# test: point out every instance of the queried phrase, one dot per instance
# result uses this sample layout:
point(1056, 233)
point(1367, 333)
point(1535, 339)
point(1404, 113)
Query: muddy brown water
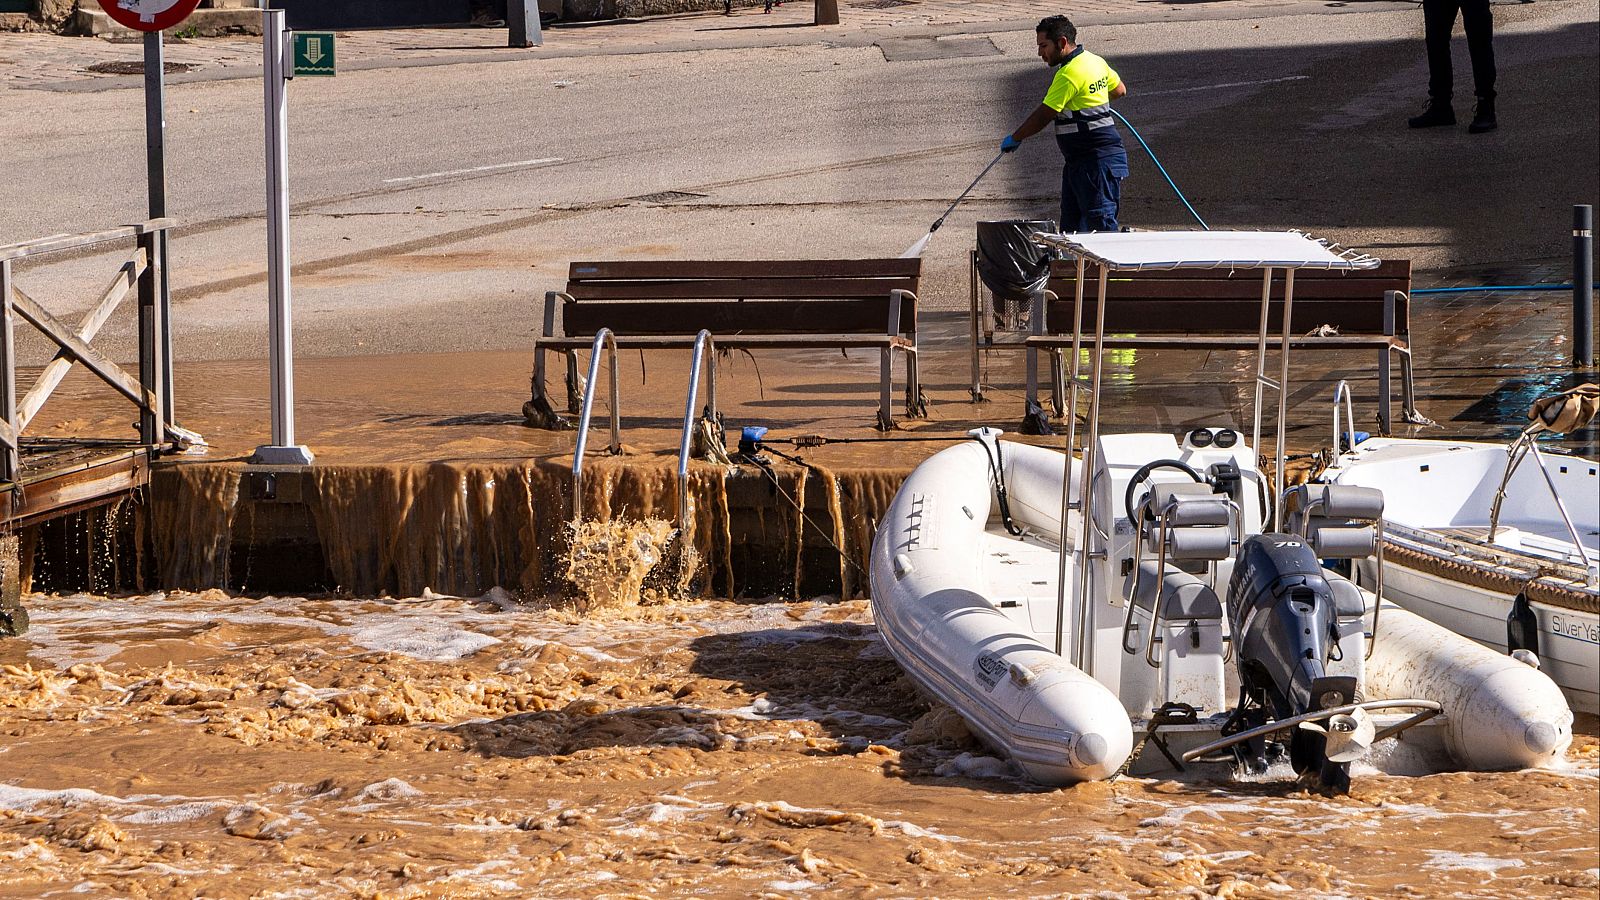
point(201, 744)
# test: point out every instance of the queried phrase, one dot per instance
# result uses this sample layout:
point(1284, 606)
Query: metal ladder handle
point(703, 342)
point(603, 339)
point(1343, 390)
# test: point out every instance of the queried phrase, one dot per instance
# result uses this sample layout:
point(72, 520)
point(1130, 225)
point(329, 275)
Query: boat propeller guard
point(1426, 709)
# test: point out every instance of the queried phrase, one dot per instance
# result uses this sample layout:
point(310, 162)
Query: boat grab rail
point(1428, 709)
point(1526, 443)
point(1343, 391)
point(603, 339)
point(704, 345)
point(1236, 537)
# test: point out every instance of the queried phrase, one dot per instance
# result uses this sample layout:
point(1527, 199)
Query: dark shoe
point(1483, 118)
point(1436, 113)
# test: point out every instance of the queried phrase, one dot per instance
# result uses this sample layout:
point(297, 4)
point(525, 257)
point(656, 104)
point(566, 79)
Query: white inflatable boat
point(1527, 578)
point(1164, 603)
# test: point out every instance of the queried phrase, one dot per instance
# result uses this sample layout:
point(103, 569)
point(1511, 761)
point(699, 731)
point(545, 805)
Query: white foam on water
point(968, 765)
point(917, 831)
point(421, 640)
point(389, 789)
point(1476, 862)
point(1178, 815)
point(25, 799)
point(801, 884)
point(172, 815)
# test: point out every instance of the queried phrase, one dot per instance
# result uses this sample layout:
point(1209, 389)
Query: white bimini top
point(1208, 250)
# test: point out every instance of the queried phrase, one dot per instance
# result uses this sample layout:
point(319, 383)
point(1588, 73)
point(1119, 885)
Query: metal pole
point(280, 323)
point(155, 155)
point(10, 459)
point(1583, 285)
point(523, 18)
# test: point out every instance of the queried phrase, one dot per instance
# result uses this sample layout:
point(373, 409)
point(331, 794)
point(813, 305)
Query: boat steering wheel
point(1143, 475)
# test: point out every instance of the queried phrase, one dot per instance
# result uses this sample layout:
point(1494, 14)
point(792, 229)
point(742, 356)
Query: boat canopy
point(1208, 250)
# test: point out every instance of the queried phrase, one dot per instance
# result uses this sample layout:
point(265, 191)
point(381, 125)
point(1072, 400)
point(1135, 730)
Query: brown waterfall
point(465, 527)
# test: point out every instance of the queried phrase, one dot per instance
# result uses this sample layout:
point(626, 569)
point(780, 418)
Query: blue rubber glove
point(1009, 144)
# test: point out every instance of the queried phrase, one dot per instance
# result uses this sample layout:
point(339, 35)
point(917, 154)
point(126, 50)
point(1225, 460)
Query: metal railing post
point(704, 346)
point(1583, 285)
point(10, 462)
point(603, 339)
point(150, 365)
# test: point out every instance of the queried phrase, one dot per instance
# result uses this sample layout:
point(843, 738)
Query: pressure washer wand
point(992, 163)
point(916, 248)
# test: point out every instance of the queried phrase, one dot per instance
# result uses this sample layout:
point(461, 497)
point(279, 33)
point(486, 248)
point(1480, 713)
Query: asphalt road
point(434, 206)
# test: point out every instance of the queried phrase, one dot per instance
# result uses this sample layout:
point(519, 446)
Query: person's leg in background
point(1438, 20)
point(1478, 21)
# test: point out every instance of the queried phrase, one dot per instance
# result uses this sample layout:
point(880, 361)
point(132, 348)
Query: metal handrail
point(1528, 442)
point(1343, 390)
point(703, 342)
point(603, 339)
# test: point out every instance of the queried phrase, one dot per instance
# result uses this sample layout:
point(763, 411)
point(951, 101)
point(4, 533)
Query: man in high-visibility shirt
point(1079, 105)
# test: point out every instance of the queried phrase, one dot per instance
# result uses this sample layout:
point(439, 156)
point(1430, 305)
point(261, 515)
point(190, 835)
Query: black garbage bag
point(1013, 267)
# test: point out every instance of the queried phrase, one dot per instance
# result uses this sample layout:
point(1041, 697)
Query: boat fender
point(1522, 626)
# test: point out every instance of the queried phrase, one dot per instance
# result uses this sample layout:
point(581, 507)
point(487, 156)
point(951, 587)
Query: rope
point(800, 509)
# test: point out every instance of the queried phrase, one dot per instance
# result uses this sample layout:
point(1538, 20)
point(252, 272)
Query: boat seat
point(1197, 522)
point(1183, 596)
point(1339, 521)
point(1348, 601)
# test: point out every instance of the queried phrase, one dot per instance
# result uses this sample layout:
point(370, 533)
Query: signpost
point(151, 17)
point(278, 66)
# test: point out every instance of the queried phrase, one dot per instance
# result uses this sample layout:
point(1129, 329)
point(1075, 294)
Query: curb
point(200, 23)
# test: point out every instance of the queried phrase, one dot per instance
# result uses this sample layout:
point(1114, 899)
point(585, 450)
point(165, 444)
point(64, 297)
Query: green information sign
point(313, 53)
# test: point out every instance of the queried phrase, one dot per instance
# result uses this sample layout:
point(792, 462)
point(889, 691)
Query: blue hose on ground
point(1497, 287)
point(1162, 169)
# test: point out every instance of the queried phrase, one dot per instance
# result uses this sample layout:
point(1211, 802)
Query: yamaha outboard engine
point(1285, 629)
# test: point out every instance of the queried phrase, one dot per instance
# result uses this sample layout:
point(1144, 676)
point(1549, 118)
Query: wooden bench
point(1219, 309)
point(746, 304)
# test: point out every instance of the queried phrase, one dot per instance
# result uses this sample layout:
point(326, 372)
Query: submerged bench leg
point(1384, 388)
point(1058, 383)
point(885, 389)
point(916, 401)
point(574, 386)
point(537, 411)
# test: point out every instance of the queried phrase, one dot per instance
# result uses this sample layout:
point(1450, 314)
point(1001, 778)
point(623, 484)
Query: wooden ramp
point(62, 476)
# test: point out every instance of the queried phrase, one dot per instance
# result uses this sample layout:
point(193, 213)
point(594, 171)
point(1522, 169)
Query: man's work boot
point(1483, 117)
point(1437, 112)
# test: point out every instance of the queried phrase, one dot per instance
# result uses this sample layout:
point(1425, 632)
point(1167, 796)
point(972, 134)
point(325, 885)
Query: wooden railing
point(150, 391)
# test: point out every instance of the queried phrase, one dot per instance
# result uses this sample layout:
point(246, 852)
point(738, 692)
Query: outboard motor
point(1285, 626)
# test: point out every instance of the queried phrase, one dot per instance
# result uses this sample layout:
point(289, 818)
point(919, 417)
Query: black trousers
point(1438, 19)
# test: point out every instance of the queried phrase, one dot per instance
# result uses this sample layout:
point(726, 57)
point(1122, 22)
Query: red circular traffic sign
point(149, 15)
